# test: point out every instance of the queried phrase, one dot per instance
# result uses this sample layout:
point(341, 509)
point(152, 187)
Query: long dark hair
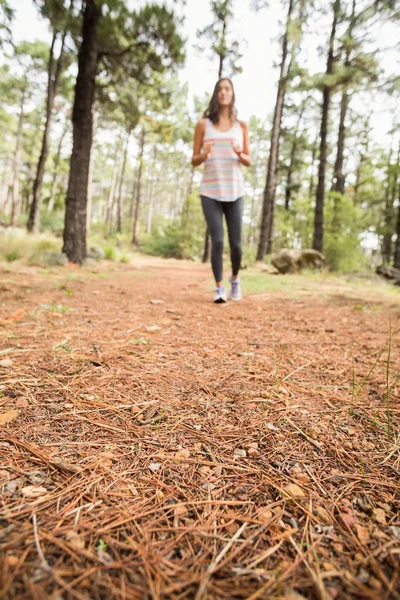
point(212, 111)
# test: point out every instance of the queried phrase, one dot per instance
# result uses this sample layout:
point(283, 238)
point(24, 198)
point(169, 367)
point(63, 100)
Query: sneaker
point(236, 291)
point(220, 295)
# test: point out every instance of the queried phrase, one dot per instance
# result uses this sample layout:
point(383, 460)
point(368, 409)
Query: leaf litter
point(191, 467)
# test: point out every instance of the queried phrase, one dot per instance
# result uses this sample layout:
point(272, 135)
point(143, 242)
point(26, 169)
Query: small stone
point(292, 491)
point(265, 514)
point(8, 416)
point(253, 452)
point(21, 402)
point(323, 514)
point(380, 516)
point(156, 302)
point(208, 487)
point(6, 363)
point(184, 454)
point(239, 453)
point(180, 510)
point(271, 427)
point(36, 477)
point(153, 328)
point(363, 576)
point(154, 467)
point(11, 561)
point(33, 491)
point(327, 566)
point(217, 471)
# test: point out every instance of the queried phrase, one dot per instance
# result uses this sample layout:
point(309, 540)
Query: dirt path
point(159, 446)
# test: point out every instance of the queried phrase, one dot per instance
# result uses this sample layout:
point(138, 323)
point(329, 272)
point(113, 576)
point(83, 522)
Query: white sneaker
point(220, 295)
point(236, 290)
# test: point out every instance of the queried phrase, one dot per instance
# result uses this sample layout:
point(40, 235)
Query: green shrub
point(12, 256)
point(110, 253)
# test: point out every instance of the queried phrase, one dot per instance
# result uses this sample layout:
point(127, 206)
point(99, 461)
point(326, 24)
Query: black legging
point(213, 211)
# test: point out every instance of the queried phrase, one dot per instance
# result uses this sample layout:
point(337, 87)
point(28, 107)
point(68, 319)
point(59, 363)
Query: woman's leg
point(233, 214)
point(212, 210)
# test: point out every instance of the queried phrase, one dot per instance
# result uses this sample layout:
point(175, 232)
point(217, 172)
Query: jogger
point(221, 142)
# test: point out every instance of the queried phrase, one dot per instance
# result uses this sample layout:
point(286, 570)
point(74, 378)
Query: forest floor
point(157, 446)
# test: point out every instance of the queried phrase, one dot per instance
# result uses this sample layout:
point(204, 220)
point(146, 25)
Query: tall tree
point(267, 219)
point(318, 239)
point(60, 21)
point(124, 44)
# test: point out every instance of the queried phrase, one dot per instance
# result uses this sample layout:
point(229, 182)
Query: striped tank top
point(223, 176)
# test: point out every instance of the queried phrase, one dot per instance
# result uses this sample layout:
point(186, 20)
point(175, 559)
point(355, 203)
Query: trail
point(160, 446)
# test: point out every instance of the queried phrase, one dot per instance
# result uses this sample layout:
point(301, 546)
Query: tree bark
point(387, 217)
point(111, 195)
point(90, 179)
point(16, 207)
point(339, 176)
point(54, 184)
point(288, 191)
point(121, 183)
point(33, 224)
point(318, 241)
point(396, 261)
point(268, 211)
point(136, 222)
point(75, 213)
point(313, 155)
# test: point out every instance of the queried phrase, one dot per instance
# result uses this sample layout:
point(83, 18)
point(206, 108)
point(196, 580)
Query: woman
point(221, 141)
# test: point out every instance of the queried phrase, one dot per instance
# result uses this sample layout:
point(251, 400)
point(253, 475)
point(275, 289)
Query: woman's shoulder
point(243, 125)
point(202, 124)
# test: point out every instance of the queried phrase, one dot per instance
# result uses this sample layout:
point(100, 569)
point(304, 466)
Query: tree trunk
point(121, 183)
point(387, 217)
point(288, 191)
point(90, 179)
point(313, 155)
point(318, 241)
point(396, 261)
point(75, 212)
point(111, 194)
point(339, 176)
point(266, 232)
point(33, 224)
point(54, 184)
point(149, 220)
point(15, 210)
point(136, 222)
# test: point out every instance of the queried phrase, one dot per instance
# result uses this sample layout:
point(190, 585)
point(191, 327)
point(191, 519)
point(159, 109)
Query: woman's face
point(225, 93)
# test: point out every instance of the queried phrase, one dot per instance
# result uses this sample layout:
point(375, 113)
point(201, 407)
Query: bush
point(110, 253)
point(12, 256)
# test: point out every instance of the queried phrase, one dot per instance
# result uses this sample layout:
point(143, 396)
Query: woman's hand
point(237, 148)
point(207, 149)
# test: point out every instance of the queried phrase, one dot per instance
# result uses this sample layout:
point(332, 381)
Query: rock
point(22, 402)
point(49, 258)
point(88, 261)
point(94, 253)
point(293, 261)
point(292, 491)
point(153, 328)
point(33, 491)
point(8, 416)
point(154, 467)
point(323, 514)
point(6, 363)
point(389, 273)
point(380, 516)
point(156, 302)
point(239, 453)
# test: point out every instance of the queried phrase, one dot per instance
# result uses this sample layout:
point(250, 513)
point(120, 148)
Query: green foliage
point(12, 256)
point(181, 239)
point(110, 253)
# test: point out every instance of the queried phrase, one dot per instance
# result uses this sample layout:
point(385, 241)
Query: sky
point(256, 85)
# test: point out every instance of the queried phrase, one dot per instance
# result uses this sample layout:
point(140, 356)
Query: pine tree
point(124, 44)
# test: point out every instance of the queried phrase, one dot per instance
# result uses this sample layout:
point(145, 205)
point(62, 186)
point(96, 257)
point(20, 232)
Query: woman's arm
point(198, 156)
point(244, 153)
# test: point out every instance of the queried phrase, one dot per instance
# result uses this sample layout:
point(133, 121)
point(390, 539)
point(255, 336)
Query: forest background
point(317, 81)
